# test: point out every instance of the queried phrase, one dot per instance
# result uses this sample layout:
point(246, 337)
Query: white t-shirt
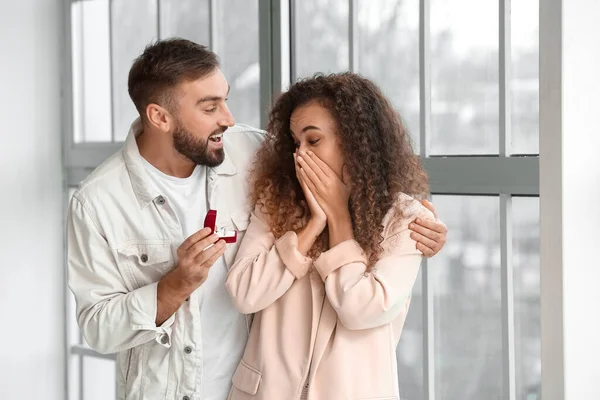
point(223, 328)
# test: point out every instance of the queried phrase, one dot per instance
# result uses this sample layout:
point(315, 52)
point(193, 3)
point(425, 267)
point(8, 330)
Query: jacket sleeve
point(264, 268)
point(110, 317)
point(365, 300)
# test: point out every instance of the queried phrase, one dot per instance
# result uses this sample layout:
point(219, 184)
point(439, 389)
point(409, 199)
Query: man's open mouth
point(216, 138)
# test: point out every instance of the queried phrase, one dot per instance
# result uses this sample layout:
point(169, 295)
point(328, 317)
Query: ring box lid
point(210, 221)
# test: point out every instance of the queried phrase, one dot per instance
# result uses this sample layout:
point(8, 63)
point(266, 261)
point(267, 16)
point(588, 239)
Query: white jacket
point(122, 238)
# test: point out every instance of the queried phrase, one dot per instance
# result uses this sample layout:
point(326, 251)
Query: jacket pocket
point(246, 378)
point(128, 371)
point(123, 364)
point(146, 263)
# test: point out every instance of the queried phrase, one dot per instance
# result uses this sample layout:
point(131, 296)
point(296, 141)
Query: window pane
point(464, 77)
point(388, 53)
point(134, 25)
point(237, 46)
point(91, 71)
point(526, 275)
point(410, 349)
point(320, 36)
point(467, 304)
point(187, 19)
point(99, 379)
point(525, 76)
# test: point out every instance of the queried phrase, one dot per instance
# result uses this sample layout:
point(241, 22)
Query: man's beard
point(197, 149)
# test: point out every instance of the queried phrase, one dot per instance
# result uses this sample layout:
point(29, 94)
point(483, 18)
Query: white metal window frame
point(505, 175)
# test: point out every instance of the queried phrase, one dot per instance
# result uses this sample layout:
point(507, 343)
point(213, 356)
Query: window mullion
point(424, 75)
point(425, 119)
point(504, 79)
point(353, 35)
point(507, 298)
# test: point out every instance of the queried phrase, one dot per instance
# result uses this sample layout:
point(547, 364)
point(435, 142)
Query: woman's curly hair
point(377, 153)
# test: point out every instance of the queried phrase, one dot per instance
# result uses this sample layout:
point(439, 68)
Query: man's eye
point(211, 109)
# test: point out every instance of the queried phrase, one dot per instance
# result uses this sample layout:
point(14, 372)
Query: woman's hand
point(331, 193)
point(328, 189)
point(317, 215)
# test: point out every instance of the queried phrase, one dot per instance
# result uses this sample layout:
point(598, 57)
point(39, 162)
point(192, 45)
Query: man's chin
point(214, 159)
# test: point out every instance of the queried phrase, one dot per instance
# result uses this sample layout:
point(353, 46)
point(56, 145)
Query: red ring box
point(210, 221)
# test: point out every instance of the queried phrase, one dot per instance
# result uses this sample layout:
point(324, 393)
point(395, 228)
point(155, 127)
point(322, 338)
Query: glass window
point(526, 277)
point(320, 36)
point(134, 25)
point(237, 46)
point(91, 71)
point(410, 348)
point(388, 53)
point(525, 76)
point(464, 77)
point(99, 379)
point(188, 19)
point(467, 303)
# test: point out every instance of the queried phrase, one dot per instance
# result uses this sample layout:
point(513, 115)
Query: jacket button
point(187, 349)
point(144, 258)
point(164, 339)
point(160, 200)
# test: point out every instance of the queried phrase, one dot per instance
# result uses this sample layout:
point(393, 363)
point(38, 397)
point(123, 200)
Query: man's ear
point(159, 117)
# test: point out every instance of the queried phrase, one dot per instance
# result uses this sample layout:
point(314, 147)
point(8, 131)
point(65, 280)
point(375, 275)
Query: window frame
point(505, 175)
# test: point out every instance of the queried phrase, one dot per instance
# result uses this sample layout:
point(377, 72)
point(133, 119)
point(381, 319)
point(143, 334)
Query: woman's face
point(313, 128)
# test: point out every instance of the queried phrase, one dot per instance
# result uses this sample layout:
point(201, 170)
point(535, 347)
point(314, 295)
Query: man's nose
point(227, 118)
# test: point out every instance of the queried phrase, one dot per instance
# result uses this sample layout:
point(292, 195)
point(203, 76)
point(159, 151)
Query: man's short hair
point(163, 65)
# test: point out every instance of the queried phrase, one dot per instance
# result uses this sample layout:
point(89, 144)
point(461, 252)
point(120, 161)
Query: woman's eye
point(313, 142)
point(297, 145)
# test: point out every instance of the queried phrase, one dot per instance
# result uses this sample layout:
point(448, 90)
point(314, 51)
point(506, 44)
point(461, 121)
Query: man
point(138, 257)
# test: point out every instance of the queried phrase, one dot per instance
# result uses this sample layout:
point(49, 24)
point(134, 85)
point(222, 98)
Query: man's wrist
point(177, 285)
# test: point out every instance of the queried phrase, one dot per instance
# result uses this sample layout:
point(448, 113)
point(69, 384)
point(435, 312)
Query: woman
point(327, 263)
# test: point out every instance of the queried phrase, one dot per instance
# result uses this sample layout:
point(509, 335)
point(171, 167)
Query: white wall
point(31, 201)
point(570, 198)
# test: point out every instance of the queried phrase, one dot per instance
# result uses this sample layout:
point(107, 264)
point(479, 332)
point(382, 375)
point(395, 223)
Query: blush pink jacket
point(325, 326)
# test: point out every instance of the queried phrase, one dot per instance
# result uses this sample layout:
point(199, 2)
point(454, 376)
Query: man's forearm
point(171, 294)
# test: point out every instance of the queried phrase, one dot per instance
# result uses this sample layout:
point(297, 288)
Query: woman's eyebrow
point(310, 127)
point(306, 128)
